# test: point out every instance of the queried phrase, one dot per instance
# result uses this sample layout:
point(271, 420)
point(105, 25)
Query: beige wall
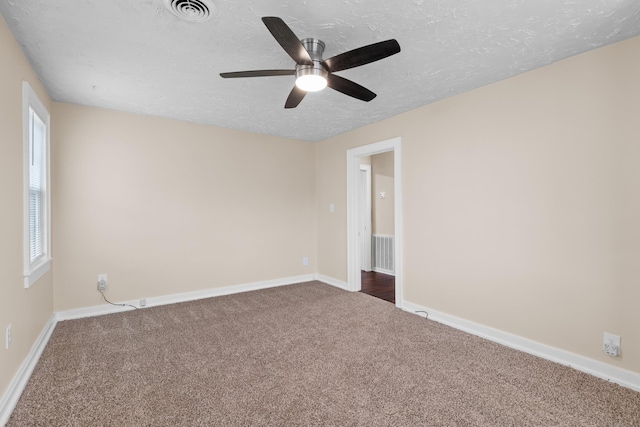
point(382, 215)
point(165, 207)
point(27, 310)
point(521, 203)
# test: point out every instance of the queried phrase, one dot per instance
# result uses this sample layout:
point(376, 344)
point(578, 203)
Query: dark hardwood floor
point(379, 285)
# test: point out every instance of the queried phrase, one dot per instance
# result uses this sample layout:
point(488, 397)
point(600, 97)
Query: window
point(37, 247)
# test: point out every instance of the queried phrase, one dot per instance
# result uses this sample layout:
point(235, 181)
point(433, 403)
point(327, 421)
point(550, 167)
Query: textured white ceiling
point(136, 56)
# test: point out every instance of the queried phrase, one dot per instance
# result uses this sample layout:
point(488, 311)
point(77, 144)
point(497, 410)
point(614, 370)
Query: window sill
point(37, 272)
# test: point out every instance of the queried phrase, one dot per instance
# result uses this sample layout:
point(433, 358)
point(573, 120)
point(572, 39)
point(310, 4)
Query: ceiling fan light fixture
point(311, 78)
point(311, 83)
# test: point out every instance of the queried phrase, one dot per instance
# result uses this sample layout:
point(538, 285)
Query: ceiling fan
point(312, 72)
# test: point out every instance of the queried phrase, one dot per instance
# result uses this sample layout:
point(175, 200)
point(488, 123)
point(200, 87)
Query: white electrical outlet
point(102, 282)
point(9, 338)
point(143, 302)
point(305, 261)
point(611, 344)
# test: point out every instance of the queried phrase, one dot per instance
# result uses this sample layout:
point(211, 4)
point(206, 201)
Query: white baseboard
point(331, 281)
point(593, 367)
point(10, 398)
point(99, 310)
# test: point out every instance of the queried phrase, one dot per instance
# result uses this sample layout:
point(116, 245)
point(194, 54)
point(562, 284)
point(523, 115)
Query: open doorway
point(354, 231)
point(376, 228)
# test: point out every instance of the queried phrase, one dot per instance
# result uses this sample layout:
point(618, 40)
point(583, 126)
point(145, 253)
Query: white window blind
point(37, 187)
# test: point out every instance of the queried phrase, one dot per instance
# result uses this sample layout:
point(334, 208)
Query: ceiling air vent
point(192, 10)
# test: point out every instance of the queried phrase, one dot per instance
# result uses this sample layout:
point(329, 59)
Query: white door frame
point(364, 215)
point(353, 169)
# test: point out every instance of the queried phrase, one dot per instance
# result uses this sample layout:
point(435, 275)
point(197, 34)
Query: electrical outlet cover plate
point(611, 344)
point(102, 282)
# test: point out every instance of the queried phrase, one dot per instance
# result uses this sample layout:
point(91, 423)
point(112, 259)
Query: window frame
point(34, 271)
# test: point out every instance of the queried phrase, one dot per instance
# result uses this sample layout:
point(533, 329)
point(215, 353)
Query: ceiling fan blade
point(362, 55)
point(349, 88)
point(287, 39)
point(258, 73)
point(295, 97)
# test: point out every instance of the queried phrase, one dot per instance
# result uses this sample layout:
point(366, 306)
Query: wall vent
point(192, 10)
point(382, 253)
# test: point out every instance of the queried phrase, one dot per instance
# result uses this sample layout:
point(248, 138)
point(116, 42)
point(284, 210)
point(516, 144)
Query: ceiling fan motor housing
point(315, 48)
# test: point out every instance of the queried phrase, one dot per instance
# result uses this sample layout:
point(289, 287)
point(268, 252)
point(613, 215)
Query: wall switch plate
point(611, 344)
point(9, 337)
point(102, 282)
point(332, 207)
point(305, 261)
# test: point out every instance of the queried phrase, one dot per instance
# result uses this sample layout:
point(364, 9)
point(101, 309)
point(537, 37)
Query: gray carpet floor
point(301, 355)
